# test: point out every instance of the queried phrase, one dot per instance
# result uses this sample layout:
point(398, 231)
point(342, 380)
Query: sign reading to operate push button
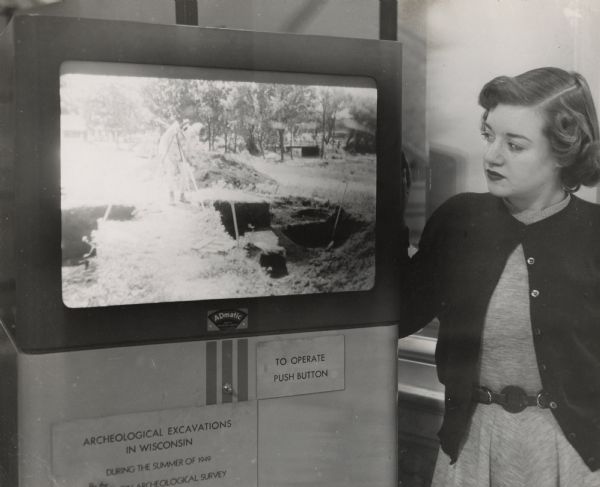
point(300, 366)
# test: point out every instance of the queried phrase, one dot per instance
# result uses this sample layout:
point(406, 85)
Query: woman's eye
point(514, 147)
point(487, 136)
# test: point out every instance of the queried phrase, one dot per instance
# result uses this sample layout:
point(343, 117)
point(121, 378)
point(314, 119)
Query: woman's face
point(518, 161)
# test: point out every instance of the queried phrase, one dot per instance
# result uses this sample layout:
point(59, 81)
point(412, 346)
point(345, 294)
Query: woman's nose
point(493, 154)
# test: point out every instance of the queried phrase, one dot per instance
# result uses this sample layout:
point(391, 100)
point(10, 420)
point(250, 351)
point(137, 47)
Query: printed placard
point(300, 366)
point(212, 446)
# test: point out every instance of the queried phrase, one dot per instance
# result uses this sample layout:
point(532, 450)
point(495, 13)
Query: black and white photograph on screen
point(184, 189)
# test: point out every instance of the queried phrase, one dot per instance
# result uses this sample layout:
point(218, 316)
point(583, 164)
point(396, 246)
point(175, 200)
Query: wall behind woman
point(472, 41)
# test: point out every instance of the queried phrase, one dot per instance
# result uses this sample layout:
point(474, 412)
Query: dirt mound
point(78, 224)
point(231, 171)
point(348, 267)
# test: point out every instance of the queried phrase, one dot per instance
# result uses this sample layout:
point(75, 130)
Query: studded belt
point(513, 399)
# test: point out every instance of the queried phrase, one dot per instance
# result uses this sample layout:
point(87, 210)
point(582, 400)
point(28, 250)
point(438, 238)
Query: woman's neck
point(516, 205)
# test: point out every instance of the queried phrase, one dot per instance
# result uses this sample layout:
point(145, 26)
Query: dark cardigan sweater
point(462, 253)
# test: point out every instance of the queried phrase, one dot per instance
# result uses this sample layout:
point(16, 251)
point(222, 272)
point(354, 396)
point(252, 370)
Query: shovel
point(337, 217)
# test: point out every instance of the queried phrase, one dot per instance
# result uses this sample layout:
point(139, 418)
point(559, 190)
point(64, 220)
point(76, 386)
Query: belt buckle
point(542, 400)
point(488, 393)
point(515, 399)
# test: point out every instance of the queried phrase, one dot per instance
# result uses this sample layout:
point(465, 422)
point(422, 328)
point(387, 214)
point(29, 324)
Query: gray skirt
point(514, 450)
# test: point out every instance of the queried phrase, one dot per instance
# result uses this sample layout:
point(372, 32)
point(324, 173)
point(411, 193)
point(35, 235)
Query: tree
point(242, 104)
point(169, 99)
point(112, 110)
point(262, 96)
point(364, 111)
point(230, 122)
point(364, 124)
point(210, 97)
point(331, 101)
point(290, 105)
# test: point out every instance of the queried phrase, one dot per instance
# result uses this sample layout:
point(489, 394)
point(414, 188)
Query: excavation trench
point(277, 232)
point(312, 227)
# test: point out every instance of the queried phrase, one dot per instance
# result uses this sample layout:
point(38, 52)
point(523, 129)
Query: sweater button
point(591, 461)
point(451, 403)
point(553, 405)
point(531, 261)
point(571, 436)
point(535, 293)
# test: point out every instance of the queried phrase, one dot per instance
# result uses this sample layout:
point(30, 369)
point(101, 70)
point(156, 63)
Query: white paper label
point(300, 366)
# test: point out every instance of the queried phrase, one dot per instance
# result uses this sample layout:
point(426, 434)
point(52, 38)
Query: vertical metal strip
point(388, 20)
point(242, 369)
point(211, 373)
point(186, 12)
point(227, 369)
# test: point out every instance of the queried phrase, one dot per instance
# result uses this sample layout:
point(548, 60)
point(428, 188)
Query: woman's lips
point(493, 175)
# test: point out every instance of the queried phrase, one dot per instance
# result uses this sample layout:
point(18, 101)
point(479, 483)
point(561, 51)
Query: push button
point(530, 260)
point(535, 293)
